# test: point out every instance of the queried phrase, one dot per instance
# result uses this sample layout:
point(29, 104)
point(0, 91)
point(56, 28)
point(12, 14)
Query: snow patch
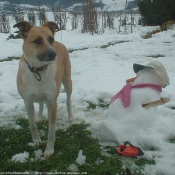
point(72, 167)
point(38, 153)
point(81, 158)
point(21, 157)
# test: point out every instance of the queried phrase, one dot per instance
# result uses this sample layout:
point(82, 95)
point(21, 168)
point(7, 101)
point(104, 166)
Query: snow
point(115, 4)
point(142, 127)
point(72, 167)
point(81, 158)
point(21, 157)
point(109, 5)
point(99, 73)
point(31, 144)
point(38, 153)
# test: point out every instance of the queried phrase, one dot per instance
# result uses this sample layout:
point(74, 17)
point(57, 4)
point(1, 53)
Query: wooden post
point(131, 23)
point(119, 25)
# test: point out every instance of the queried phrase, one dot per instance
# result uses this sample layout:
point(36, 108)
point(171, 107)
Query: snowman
point(127, 119)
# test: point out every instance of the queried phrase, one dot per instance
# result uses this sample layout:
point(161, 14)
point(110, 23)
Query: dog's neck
point(37, 68)
point(34, 62)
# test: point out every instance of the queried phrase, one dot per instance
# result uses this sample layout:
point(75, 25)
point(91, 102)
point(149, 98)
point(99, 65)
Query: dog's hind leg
point(52, 111)
point(33, 128)
point(68, 88)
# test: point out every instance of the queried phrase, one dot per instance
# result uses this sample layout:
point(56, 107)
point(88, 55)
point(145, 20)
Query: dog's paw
point(39, 119)
point(70, 119)
point(48, 152)
point(37, 141)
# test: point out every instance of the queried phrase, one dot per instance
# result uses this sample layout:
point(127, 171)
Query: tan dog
point(43, 66)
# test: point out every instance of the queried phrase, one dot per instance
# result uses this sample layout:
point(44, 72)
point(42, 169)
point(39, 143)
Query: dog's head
point(38, 41)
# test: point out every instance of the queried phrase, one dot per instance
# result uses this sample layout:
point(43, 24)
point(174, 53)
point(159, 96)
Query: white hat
point(159, 69)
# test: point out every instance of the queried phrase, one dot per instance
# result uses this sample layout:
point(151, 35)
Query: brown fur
point(39, 49)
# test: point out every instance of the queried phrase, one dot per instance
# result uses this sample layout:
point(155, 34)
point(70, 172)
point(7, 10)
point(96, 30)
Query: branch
point(156, 103)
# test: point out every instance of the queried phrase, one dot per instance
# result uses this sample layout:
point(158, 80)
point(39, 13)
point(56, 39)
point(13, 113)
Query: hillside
point(32, 2)
point(109, 5)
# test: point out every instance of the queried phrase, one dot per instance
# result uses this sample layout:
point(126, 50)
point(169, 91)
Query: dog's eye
point(51, 40)
point(38, 41)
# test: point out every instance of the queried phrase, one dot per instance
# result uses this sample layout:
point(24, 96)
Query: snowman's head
point(153, 72)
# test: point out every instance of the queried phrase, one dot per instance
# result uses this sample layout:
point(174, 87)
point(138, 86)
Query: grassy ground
point(10, 59)
point(101, 104)
point(67, 145)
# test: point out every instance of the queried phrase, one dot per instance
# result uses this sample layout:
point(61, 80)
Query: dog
point(44, 65)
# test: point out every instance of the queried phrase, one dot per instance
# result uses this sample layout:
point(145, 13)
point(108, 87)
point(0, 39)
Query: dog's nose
point(51, 54)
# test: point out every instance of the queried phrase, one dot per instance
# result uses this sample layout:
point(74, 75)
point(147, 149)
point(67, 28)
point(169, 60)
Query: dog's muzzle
point(48, 56)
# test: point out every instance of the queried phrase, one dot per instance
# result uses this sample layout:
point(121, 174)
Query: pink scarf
point(125, 93)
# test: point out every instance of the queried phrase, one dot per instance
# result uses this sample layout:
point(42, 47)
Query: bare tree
point(110, 20)
point(75, 20)
point(31, 17)
point(18, 16)
point(4, 22)
point(42, 15)
point(60, 19)
point(104, 21)
point(90, 23)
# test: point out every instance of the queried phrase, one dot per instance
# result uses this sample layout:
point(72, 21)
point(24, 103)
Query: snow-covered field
point(99, 73)
point(115, 4)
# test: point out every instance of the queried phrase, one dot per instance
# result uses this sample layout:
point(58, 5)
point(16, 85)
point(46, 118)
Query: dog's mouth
point(48, 56)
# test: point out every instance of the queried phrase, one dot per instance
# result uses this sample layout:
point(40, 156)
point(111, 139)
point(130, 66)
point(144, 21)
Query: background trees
point(156, 12)
point(32, 2)
point(64, 3)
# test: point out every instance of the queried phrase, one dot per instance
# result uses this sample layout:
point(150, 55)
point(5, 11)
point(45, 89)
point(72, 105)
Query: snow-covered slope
point(109, 5)
point(115, 4)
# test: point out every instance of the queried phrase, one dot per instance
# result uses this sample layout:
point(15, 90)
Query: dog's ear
point(23, 27)
point(52, 26)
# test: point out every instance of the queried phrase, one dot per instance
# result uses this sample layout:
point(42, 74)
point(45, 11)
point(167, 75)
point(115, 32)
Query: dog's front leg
point(52, 112)
point(33, 128)
point(40, 115)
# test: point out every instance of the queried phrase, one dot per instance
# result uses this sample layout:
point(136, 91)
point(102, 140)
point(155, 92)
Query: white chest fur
point(40, 91)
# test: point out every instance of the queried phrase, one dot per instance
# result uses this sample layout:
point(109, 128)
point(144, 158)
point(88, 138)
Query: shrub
point(14, 36)
point(156, 12)
point(167, 25)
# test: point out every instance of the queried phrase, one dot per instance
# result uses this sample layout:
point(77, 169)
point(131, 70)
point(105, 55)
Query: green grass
point(102, 46)
point(150, 148)
point(141, 163)
point(73, 50)
point(156, 56)
point(10, 59)
point(172, 140)
point(112, 44)
point(16, 35)
point(101, 104)
point(67, 145)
